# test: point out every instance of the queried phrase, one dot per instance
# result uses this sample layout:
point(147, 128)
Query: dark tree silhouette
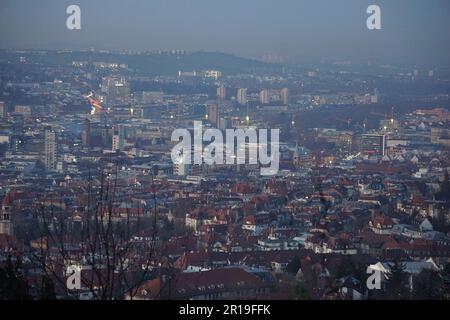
point(445, 276)
point(293, 265)
point(47, 289)
point(397, 283)
point(300, 292)
point(444, 193)
point(13, 285)
point(428, 285)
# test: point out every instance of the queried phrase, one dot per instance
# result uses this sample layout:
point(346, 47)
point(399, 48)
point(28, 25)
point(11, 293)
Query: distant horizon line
point(285, 59)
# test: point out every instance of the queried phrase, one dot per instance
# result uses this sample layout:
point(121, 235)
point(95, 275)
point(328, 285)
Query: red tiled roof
point(185, 285)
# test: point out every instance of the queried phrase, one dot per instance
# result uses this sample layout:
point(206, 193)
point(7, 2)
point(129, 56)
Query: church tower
point(6, 226)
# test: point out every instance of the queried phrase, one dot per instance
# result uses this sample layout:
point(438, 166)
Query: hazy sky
point(413, 30)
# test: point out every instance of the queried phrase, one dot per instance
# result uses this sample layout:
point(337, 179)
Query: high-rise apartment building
point(50, 149)
point(2, 110)
point(284, 95)
point(118, 138)
point(221, 92)
point(242, 96)
point(264, 96)
point(213, 115)
point(86, 133)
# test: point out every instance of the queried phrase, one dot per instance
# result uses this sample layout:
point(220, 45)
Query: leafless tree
point(115, 252)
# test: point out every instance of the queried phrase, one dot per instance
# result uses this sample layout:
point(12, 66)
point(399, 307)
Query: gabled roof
point(186, 285)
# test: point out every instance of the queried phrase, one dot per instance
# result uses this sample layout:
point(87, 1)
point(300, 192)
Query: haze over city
point(295, 30)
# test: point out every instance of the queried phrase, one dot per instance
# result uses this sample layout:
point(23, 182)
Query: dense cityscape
point(88, 186)
point(224, 159)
